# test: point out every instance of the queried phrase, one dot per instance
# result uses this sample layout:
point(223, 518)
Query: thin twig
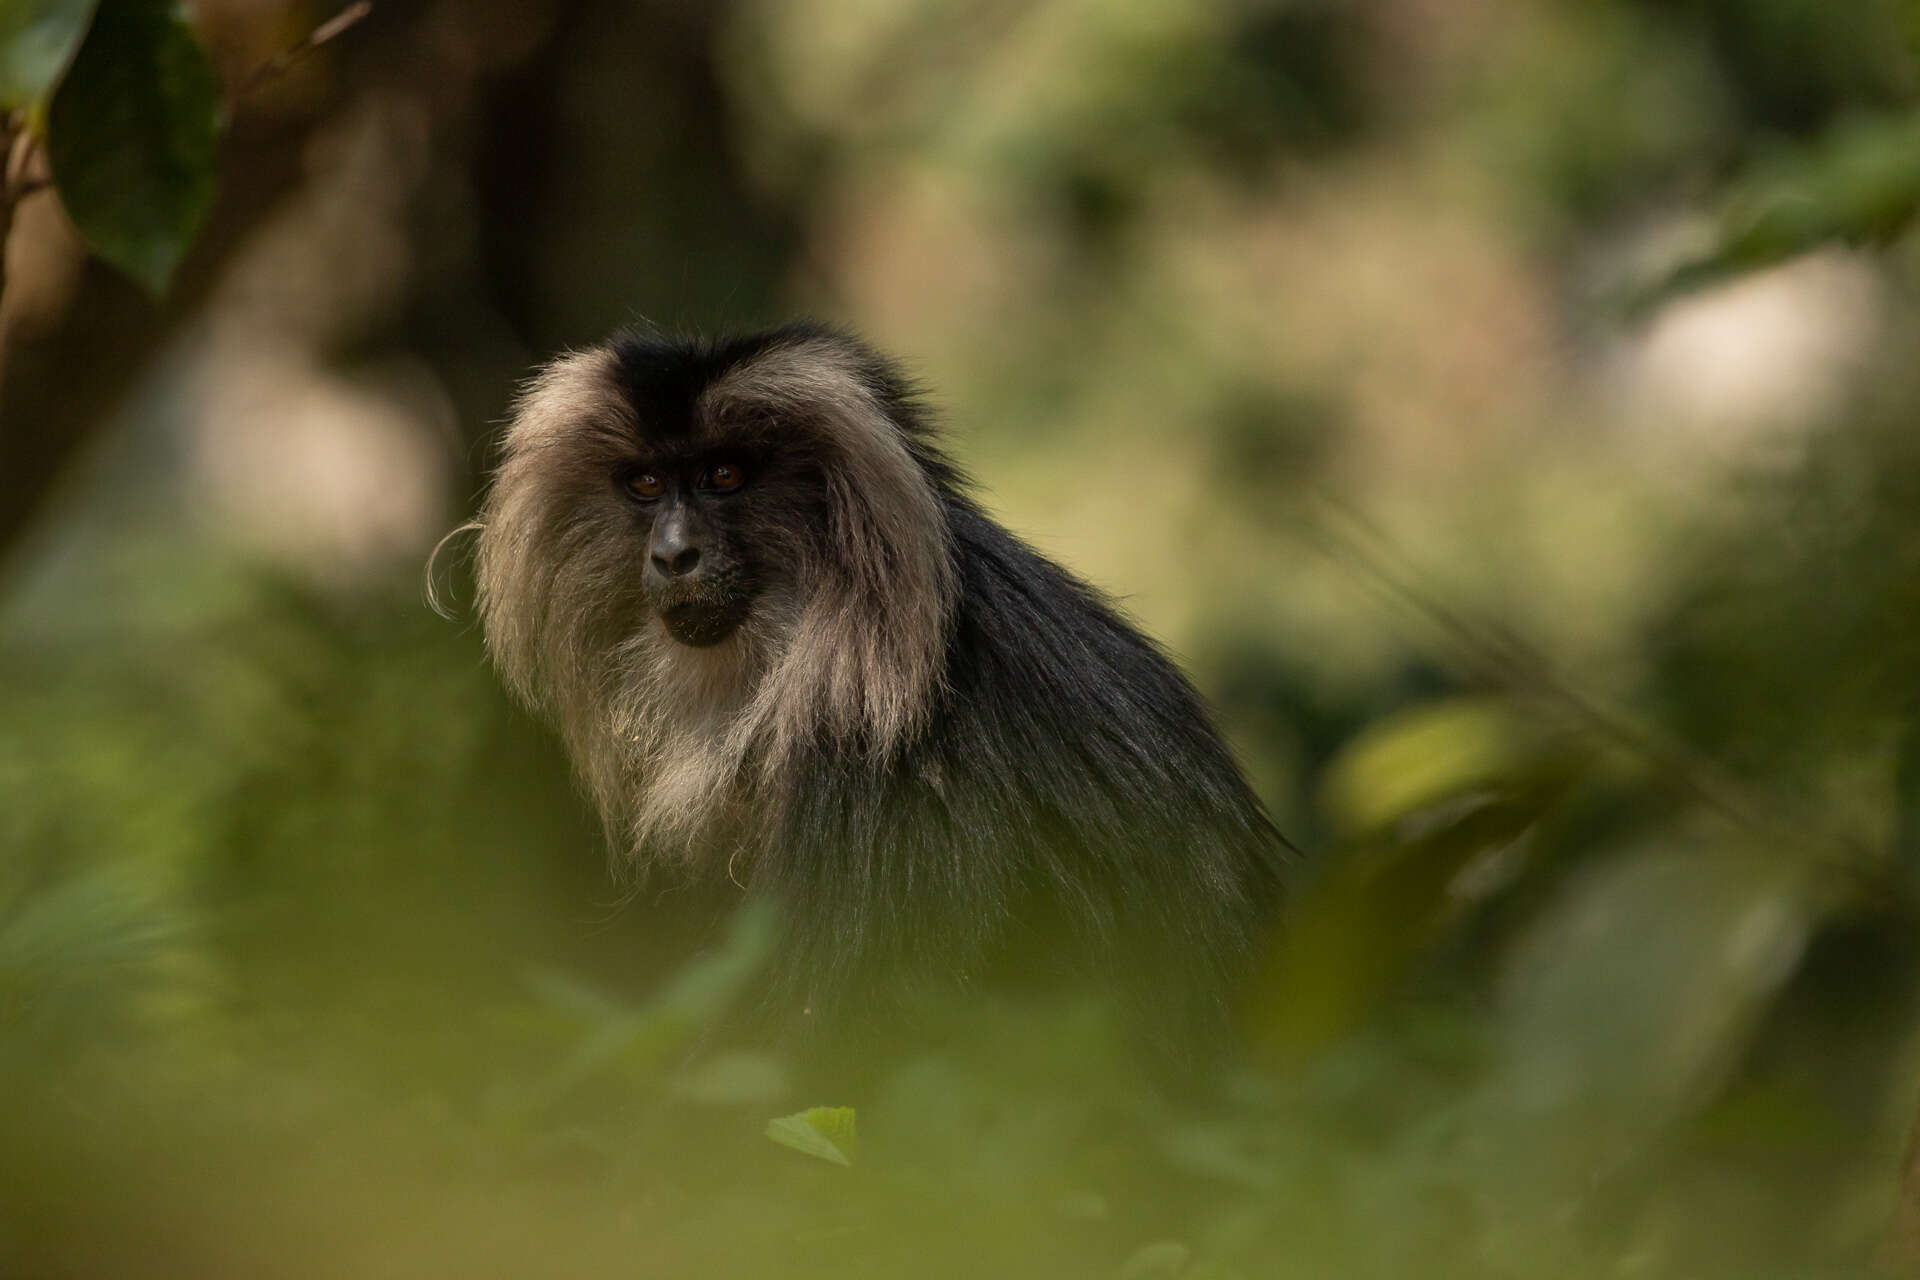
point(280, 63)
point(19, 154)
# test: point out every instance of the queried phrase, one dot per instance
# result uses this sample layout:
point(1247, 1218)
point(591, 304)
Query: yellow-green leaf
point(826, 1133)
point(1427, 755)
point(37, 40)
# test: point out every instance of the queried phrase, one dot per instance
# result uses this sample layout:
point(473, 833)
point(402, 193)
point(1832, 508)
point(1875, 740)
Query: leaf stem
point(280, 63)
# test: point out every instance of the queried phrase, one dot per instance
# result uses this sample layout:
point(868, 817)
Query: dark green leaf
point(133, 134)
point(37, 38)
point(1858, 185)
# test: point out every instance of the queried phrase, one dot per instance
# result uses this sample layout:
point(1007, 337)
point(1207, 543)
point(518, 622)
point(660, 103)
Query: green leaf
point(826, 1133)
point(1633, 997)
point(646, 1037)
point(79, 955)
point(1440, 756)
point(133, 135)
point(1367, 922)
point(704, 989)
point(37, 40)
point(564, 992)
point(1432, 802)
point(1859, 184)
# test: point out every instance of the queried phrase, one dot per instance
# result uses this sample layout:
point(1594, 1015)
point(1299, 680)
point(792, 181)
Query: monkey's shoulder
point(1054, 702)
point(1033, 641)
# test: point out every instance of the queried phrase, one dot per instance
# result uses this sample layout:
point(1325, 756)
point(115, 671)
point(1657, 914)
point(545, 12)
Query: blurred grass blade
point(571, 996)
point(705, 988)
point(649, 1035)
point(133, 135)
point(80, 954)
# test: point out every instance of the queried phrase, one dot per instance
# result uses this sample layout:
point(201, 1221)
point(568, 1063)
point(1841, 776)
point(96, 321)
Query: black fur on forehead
point(664, 376)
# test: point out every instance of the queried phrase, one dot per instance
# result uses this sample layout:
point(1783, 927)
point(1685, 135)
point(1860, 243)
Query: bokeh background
point(1506, 411)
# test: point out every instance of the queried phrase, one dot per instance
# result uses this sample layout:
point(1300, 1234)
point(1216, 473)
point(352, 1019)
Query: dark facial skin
point(694, 575)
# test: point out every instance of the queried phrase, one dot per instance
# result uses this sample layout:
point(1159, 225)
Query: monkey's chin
point(705, 624)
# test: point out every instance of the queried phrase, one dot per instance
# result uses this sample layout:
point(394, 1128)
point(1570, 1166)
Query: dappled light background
point(1504, 411)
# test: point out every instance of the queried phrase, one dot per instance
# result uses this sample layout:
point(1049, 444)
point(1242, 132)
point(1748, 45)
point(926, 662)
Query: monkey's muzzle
point(704, 618)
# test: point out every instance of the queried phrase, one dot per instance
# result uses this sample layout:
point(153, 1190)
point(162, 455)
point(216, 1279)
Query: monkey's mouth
point(704, 622)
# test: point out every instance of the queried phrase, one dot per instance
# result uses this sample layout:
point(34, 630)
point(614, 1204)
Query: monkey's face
point(698, 574)
point(630, 505)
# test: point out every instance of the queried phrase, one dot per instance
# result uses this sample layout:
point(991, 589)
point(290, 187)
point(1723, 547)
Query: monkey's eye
point(645, 484)
point(724, 478)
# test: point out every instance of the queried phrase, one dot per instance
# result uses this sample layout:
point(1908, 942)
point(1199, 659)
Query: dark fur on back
point(940, 754)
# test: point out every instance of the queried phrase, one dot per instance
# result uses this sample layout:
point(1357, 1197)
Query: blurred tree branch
point(62, 381)
point(65, 361)
point(280, 63)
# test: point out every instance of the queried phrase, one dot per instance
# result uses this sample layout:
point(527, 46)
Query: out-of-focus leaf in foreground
point(1433, 802)
point(133, 135)
point(826, 1133)
point(1398, 777)
point(37, 39)
point(647, 1036)
point(1629, 1001)
point(79, 956)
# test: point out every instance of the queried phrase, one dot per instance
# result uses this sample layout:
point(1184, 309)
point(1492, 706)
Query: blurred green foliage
point(1602, 958)
point(128, 106)
point(38, 40)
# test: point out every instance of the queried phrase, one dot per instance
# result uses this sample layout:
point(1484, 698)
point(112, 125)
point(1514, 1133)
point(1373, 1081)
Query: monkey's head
point(696, 559)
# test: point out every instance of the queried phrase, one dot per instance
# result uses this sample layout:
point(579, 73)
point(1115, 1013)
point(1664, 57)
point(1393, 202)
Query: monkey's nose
point(677, 562)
